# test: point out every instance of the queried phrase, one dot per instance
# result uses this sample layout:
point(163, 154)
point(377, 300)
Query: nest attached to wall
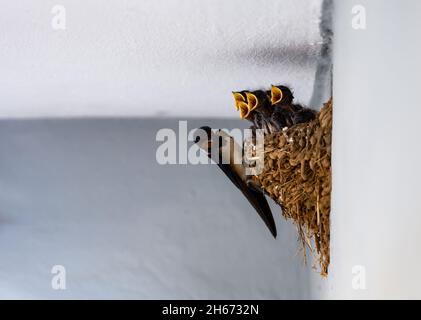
point(297, 175)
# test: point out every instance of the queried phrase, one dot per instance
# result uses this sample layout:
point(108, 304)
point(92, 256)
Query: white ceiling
point(152, 58)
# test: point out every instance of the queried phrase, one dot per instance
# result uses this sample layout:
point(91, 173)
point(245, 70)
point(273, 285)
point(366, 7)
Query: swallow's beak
point(276, 95)
point(244, 110)
point(203, 138)
point(238, 97)
point(252, 101)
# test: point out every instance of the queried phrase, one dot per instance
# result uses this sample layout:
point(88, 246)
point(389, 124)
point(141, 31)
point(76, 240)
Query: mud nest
point(297, 175)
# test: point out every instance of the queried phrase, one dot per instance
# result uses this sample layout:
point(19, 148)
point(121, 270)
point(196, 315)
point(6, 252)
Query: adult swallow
point(228, 156)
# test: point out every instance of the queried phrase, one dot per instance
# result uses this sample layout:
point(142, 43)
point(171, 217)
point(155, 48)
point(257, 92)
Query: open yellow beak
point(243, 108)
point(252, 101)
point(238, 97)
point(276, 95)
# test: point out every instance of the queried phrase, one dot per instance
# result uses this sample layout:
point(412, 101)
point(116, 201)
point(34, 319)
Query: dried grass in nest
point(297, 175)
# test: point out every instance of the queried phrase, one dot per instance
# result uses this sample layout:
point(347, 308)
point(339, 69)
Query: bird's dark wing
point(282, 117)
point(256, 198)
point(304, 115)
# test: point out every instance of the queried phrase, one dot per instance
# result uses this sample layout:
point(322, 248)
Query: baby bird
point(281, 95)
point(239, 97)
point(281, 99)
point(287, 114)
point(259, 103)
point(271, 110)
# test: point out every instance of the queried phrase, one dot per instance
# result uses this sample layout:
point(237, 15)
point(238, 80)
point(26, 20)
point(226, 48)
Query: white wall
point(89, 195)
point(376, 209)
point(152, 57)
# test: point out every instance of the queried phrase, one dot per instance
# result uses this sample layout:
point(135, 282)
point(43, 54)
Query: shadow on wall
point(89, 195)
point(322, 88)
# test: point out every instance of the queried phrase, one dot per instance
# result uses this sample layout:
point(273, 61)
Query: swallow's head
point(256, 99)
point(252, 101)
point(203, 138)
point(244, 110)
point(281, 95)
point(239, 97)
